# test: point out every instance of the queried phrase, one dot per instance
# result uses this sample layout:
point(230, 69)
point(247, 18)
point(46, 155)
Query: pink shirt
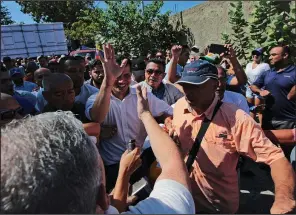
point(232, 133)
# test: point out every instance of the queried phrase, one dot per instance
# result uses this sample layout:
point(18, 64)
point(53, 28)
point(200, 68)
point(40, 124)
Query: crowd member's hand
point(176, 51)
point(230, 53)
point(108, 131)
point(168, 122)
point(264, 93)
point(143, 105)
point(130, 161)
point(111, 69)
point(283, 206)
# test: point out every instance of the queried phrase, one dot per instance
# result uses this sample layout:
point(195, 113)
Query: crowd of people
point(197, 120)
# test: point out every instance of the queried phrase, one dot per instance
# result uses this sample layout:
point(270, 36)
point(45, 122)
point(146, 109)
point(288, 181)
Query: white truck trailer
point(32, 40)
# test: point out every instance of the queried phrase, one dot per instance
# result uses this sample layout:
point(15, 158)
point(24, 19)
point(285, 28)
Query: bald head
point(39, 74)
point(7, 104)
point(58, 91)
point(56, 80)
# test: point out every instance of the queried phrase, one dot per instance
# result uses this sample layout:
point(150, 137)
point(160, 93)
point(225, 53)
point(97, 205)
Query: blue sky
point(18, 16)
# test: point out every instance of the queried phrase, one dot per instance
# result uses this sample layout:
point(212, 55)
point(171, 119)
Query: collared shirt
point(123, 114)
point(167, 92)
point(279, 84)
point(238, 99)
point(232, 132)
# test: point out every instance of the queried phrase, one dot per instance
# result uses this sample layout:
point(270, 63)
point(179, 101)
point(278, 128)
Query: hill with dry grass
point(208, 20)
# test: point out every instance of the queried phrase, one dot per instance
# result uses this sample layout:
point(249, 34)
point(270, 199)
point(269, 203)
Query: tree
point(5, 16)
point(131, 29)
point(239, 35)
point(281, 28)
point(55, 11)
point(226, 38)
point(259, 22)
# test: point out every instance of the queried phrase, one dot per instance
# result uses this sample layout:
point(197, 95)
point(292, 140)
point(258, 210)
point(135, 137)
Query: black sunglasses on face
point(10, 114)
point(157, 72)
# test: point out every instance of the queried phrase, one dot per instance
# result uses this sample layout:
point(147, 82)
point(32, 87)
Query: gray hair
point(48, 165)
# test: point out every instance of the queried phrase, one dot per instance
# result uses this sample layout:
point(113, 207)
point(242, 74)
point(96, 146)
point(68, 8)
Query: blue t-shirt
point(27, 86)
point(279, 84)
point(25, 104)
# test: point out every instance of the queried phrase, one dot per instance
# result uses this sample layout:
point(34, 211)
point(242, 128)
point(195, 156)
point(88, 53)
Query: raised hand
point(230, 53)
point(130, 161)
point(143, 105)
point(111, 69)
point(176, 51)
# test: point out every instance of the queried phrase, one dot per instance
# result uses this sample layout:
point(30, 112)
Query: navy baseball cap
point(258, 51)
point(16, 71)
point(198, 72)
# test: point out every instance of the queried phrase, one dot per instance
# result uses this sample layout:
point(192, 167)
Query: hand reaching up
point(143, 105)
point(111, 69)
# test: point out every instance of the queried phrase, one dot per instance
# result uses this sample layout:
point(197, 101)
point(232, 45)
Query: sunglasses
point(10, 114)
point(157, 72)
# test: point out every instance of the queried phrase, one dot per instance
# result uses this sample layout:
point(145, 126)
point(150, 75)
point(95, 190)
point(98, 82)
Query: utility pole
point(143, 8)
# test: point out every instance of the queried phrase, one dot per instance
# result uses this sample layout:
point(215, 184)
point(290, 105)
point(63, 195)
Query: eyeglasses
point(157, 72)
point(10, 114)
point(158, 56)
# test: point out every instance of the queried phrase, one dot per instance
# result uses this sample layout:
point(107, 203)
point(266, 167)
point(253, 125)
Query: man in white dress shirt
point(116, 105)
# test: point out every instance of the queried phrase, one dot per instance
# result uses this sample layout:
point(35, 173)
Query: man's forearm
point(172, 70)
point(121, 191)
point(282, 136)
point(292, 94)
point(284, 179)
point(102, 103)
point(239, 71)
point(165, 151)
point(255, 89)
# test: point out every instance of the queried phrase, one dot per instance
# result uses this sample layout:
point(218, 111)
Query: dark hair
point(158, 62)
point(286, 49)
point(94, 63)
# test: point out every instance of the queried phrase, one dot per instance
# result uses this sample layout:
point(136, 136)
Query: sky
point(18, 16)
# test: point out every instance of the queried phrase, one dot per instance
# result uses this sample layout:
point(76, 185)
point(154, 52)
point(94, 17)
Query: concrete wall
point(208, 20)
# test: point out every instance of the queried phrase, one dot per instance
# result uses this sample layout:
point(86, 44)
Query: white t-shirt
point(253, 74)
point(238, 99)
point(123, 114)
point(167, 197)
point(179, 70)
point(86, 91)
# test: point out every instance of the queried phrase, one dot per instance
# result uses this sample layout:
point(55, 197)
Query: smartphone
point(138, 186)
point(217, 49)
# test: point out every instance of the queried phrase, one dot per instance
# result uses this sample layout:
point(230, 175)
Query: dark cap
point(258, 51)
point(16, 71)
point(198, 72)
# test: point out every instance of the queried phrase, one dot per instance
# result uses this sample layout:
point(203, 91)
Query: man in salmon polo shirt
point(231, 133)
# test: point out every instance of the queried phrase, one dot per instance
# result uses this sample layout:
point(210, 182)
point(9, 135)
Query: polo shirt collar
point(287, 69)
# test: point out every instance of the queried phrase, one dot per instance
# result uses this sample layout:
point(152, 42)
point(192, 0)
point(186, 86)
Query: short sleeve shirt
point(231, 133)
point(279, 84)
point(167, 197)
